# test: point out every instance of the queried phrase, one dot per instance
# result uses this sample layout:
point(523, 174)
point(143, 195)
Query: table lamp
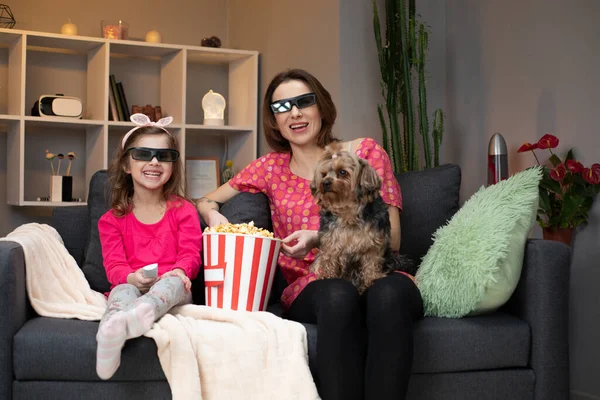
point(213, 105)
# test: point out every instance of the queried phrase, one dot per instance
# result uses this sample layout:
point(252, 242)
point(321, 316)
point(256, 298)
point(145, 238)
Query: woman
point(364, 343)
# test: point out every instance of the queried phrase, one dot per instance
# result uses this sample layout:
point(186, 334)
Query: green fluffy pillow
point(475, 261)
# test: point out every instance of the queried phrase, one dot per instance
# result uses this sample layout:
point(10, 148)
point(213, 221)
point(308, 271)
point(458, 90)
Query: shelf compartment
point(200, 79)
point(72, 67)
point(157, 80)
point(12, 72)
point(88, 143)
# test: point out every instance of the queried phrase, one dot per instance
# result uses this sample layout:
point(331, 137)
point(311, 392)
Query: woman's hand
point(214, 218)
point(138, 280)
point(300, 243)
point(187, 283)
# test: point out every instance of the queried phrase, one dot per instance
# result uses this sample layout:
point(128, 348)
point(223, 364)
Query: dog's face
point(342, 179)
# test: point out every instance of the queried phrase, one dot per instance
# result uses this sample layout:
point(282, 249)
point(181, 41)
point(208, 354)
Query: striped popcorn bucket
point(239, 270)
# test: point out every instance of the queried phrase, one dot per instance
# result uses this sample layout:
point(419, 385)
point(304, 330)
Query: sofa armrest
point(542, 299)
point(13, 308)
point(73, 225)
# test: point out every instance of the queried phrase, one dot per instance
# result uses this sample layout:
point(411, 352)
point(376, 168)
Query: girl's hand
point(138, 280)
point(214, 218)
point(299, 243)
point(187, 283)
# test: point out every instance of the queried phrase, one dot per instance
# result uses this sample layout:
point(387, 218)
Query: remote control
point(150, 270)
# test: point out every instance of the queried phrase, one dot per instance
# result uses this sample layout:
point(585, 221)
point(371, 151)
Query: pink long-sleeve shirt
point(173, 242)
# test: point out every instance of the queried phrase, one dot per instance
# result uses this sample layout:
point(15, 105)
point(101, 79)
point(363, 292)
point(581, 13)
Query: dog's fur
point(354, 235)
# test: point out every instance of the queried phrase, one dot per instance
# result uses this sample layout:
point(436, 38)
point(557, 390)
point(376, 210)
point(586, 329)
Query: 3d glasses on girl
point(147, 154)
point(284, 105)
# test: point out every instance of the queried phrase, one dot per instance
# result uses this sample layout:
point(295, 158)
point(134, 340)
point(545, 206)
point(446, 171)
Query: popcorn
point(240, 229)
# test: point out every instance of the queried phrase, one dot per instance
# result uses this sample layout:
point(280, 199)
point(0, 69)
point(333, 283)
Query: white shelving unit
point(172, 76)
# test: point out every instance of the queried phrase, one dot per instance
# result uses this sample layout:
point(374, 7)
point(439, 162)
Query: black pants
point(364, 343)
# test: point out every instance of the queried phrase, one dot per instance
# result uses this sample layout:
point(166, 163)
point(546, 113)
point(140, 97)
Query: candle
point(69, 29)
point(114, 30)
point(153, 37)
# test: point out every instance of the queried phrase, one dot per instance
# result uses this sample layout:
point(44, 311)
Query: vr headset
point(57, 105)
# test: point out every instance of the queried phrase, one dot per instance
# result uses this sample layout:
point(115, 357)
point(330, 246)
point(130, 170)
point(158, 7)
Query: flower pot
point(564, 235)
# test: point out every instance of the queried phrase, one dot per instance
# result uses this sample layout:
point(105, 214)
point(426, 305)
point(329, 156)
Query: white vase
point(56, 188)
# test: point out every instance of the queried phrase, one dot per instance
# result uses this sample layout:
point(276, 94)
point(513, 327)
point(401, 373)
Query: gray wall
point(289, 34)
point(360, 89)
point(526, 68)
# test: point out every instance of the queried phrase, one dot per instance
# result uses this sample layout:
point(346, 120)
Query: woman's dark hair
point(326, 108)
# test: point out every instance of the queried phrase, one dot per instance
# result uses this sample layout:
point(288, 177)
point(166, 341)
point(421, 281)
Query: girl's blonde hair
point(121, 183)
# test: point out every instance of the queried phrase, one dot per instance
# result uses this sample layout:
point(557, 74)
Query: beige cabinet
point(173, 76)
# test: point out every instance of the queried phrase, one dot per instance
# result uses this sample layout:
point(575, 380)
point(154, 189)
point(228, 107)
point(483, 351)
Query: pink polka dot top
point(292, 206)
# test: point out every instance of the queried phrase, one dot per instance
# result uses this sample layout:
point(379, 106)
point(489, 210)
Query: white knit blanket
point(206, 353)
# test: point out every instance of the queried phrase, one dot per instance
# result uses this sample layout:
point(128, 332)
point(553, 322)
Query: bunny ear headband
point(142, 120)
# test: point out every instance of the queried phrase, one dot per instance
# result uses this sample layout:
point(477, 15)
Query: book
point(112, 109)
point(126, 112)
point(115, 90)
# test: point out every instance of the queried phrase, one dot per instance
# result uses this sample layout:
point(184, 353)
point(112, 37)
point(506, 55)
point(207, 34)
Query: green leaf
point(569, 156)
point(544, 200)
point(555, 160)
point(550, 184)
point(570, 208)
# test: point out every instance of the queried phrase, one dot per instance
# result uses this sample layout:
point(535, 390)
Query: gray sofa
point(519, 352)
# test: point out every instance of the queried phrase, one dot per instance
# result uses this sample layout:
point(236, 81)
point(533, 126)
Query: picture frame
point(202, 176)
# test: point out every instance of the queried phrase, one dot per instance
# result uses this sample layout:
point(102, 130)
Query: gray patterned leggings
point(162, 296)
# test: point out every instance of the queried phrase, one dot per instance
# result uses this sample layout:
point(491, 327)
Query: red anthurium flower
point(527, 147)
point(558, 173)
point(592, 175)
point(574, 166)
point(547, 142)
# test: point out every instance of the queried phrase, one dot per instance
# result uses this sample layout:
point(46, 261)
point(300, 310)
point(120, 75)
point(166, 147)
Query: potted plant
point(402, 53)
point(567, 190)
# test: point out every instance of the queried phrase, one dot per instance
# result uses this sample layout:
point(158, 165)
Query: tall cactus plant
point(403, 53)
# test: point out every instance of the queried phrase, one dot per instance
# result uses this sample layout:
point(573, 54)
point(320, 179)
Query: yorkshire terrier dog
point(354, 235)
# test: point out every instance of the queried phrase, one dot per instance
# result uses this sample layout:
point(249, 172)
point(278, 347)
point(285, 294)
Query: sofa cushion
point(98, 204)
point(429, 200)
point(246, 207)
point(487, 342)
point(65, 349)
point(475, 262)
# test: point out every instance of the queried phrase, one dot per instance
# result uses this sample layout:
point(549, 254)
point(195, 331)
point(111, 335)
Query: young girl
point(150, 221)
